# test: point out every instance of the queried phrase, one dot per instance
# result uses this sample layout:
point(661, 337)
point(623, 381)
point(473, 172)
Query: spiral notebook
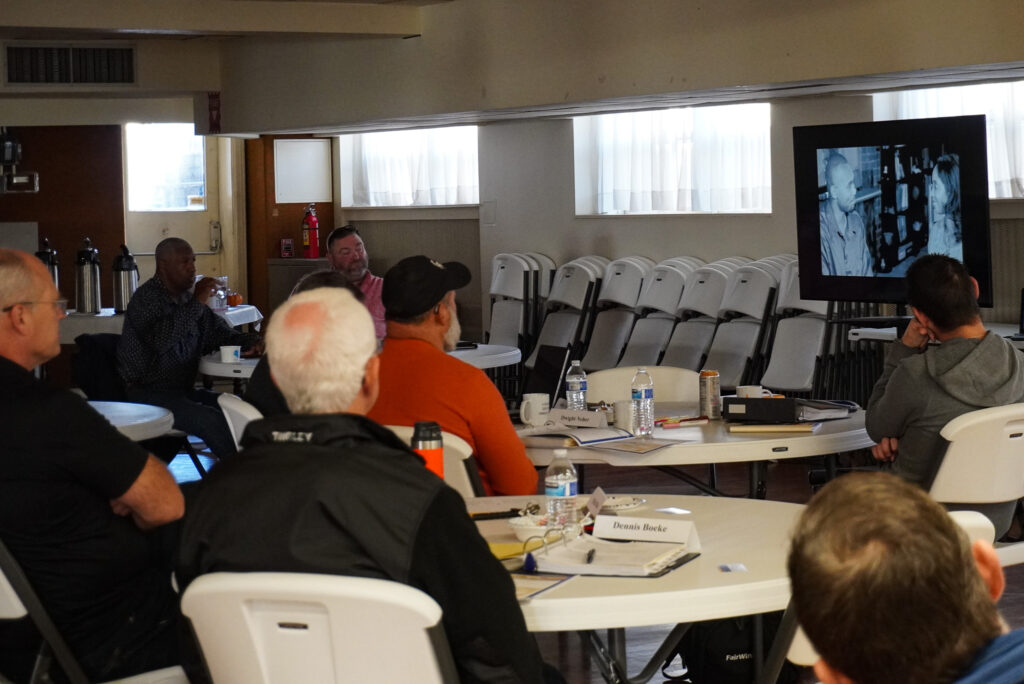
point(587, 555)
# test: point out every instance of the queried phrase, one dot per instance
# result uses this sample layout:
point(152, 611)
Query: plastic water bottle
point(560, 489)
point(576, 388)
point(643, 403)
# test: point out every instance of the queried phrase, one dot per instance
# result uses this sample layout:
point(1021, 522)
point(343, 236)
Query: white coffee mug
point(230, 354)
point(752, 392)
point(534, 409)
point(624, 414)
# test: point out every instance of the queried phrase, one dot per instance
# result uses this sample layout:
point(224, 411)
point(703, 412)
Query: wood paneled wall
point(268, 221)
point(81, 194)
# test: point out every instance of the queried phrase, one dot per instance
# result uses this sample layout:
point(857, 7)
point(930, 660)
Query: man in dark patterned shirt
point(167, 328)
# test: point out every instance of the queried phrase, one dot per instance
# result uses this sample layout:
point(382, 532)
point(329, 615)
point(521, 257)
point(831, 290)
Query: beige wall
point(478, 55)
point(526, 196)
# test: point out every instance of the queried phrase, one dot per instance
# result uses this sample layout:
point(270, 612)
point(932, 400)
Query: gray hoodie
point(919, 392)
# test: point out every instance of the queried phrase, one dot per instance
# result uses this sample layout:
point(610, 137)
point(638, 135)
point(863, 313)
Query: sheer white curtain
point(426, 167)
point(704, 159)
point(1001, 103)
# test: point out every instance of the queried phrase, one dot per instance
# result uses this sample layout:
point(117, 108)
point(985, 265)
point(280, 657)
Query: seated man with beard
point(420, 381)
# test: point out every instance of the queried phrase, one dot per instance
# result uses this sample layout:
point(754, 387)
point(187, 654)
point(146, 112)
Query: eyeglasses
point(60, 304)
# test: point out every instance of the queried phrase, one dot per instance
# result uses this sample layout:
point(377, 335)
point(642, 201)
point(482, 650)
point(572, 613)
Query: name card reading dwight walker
point(647, 529)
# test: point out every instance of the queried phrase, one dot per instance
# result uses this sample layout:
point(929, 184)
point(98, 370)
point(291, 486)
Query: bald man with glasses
point(81, 506)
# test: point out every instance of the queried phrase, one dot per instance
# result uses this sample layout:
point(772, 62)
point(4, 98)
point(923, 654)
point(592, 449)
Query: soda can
point(710, 394)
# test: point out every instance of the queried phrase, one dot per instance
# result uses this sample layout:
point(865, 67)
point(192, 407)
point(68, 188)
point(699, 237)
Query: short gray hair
point(17, 282)
point(318, 343)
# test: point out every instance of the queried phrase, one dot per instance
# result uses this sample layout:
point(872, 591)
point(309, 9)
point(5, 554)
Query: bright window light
point(166, 168)
point(415, 168)
point(694, 159)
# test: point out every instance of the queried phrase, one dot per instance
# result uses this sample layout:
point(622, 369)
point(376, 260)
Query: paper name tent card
point(586, 555)
point(648, 529)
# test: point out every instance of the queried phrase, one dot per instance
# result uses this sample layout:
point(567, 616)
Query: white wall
point(526, 196)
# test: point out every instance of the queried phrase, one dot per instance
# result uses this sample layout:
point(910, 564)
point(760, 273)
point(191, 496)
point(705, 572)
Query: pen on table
point(511, 513)
point(590, 556)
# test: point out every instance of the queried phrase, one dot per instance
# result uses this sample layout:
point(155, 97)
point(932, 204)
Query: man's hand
point(119, 508)
point(885, 450)
point(205, 289)
point(917, 335)
point(255, 350)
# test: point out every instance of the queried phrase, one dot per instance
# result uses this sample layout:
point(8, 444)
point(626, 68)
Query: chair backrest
point(460, 471)
point(732, 350)
point(94, 366)
point(560, 329)
point(18, 599)
point(703, 292)
point(507, 322)
point(648, 340)
point(574, 286)
point(689, 343)
point(622, 282)
point(750, 289)
point(670, 384)
point(281, 628)
point(238, 413)
point(608, 339)
point(798, 344)
point(789, 293)
point(663, 289)
point(984, 461)
point(509, 276)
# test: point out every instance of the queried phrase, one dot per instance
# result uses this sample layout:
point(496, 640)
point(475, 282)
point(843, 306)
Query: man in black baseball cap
point(420, 381)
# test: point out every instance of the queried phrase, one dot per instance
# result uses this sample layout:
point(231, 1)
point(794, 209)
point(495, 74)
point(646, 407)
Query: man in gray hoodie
point(924, 386)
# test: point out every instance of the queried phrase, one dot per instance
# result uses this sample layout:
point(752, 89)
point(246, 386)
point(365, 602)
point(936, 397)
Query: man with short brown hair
point(888, 589)
point(347, 254)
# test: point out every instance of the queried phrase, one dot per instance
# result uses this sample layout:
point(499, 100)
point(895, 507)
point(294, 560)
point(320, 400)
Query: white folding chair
point(238, 413)
point(670, 384)
point(18, 599)
point(984, 460)
point(282, 628)
point(460, 471)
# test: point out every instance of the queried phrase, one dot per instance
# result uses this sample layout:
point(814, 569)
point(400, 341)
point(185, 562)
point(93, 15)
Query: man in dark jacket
point(325, 490)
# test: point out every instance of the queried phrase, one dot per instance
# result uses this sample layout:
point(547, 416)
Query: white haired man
point(326, 490)
point(77, 503)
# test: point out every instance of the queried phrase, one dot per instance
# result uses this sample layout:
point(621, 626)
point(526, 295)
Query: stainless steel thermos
point(126, 279)
point(49, 257)
point(87, 279)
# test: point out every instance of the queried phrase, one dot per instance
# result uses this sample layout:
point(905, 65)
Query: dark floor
point(787, 481)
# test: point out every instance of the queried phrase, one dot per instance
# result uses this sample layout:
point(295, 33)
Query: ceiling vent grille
point(70, 65)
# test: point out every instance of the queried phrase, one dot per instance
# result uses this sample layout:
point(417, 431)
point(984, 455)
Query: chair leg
point(187, 448)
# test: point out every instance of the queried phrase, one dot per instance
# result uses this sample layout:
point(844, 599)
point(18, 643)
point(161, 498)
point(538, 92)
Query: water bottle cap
point(561, 453)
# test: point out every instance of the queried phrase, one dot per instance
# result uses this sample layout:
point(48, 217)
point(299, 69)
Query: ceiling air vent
point(70, 65)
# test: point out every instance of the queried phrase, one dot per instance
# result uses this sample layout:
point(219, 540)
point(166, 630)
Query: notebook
point(587, 555)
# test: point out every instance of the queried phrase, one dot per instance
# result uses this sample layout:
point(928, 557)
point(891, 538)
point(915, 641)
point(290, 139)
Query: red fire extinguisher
point(310, 234)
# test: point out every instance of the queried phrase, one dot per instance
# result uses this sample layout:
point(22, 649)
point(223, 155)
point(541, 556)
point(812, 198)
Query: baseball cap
point(417, 283)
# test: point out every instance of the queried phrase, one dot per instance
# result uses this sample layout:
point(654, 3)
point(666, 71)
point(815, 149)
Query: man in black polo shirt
point(77, 502)
point(326, 490)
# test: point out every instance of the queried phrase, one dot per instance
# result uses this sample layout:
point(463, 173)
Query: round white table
point(713, 443)
point(485, 356)
point(749, 537)
point(242, 369)
point(135, 421)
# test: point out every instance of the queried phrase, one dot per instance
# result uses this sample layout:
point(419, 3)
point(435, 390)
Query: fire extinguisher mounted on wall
point(310, 234)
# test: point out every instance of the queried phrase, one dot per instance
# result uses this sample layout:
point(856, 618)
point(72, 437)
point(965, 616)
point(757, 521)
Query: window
point(429, 167)
point(166, 168)
point(1001, 103)
point(697, 159)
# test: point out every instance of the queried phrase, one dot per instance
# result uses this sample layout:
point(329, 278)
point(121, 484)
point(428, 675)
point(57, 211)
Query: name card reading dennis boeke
point(647, 529)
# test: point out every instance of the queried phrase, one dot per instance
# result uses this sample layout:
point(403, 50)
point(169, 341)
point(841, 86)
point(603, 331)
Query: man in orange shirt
point(420, 381)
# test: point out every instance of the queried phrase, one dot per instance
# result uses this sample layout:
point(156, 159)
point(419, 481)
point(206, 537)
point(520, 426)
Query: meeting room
point(553, 326)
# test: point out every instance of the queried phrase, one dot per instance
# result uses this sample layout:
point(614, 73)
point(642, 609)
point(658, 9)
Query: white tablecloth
point(106, 321)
